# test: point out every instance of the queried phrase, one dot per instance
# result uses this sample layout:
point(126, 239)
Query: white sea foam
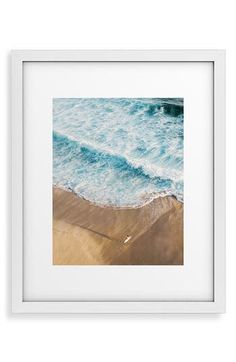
point(118, 152)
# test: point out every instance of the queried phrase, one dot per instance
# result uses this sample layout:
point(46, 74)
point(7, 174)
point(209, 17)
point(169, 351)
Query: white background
point(117, 24)
point(192, 81)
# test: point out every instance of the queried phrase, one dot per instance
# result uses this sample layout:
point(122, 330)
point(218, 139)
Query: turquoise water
point(118, 151)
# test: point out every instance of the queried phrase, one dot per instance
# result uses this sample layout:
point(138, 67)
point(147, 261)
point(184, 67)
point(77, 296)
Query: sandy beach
point(87, 234)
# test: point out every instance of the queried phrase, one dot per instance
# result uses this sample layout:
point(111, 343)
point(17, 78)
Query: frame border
point(218, 59)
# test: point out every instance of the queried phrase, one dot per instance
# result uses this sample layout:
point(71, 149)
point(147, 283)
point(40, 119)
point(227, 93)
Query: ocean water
point(120, 152)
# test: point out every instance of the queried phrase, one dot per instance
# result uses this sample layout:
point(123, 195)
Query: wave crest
point(118, 152)
point(94, 152)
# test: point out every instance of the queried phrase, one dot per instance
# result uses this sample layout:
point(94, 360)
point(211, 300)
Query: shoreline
point(88, 234)
point(148, 201)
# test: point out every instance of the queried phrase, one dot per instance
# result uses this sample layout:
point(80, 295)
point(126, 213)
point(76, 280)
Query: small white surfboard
point(127, 239)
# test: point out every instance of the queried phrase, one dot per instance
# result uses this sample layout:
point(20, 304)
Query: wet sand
point(87, 234)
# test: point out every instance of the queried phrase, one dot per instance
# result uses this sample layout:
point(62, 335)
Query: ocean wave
point(118, 152)
point(94, 152)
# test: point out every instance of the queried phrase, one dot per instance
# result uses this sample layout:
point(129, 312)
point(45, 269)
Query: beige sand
point(86, 234)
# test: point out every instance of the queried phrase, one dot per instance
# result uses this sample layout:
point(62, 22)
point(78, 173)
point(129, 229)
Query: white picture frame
point(217, 57)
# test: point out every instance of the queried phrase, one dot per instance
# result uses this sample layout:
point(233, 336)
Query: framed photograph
point(118, 181)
